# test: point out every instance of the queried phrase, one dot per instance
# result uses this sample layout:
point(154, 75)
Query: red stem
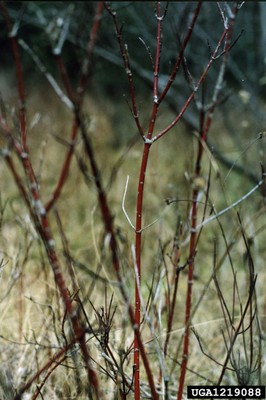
point(138, 266)
point(65, 78)
point(43, 228)
point(173, 302)
point(158, 53)
point(139, 207)
point(109, 228)
point(85, 70)
point(190, 98)
point(135, 320)
point(127, 66)
point(65, 169)
point(20, 82)
point(181, 53)
point(54, 359)
point(38, 212)
point(204, 129)
point(193, 240)
point(105, 211)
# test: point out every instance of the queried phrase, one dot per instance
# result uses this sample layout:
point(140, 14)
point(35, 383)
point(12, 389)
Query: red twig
point(127, 66)
point(139, 207)
point(108, 222)
point(205, 125)
point(55, 359)
point(172, 302)
point(20, 85)
point(148, 140)
point(189, 296)
point(190, 98)
point(42, 226)
point(76, 99)
point(39, 214)
point(181, 53)
point(135, 320)
point(65, 169)
point(104, 207)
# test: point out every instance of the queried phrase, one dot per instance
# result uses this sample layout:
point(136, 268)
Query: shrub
point(97, 305)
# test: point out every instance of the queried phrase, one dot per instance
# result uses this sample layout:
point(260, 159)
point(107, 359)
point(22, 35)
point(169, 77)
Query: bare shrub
point(130, 247)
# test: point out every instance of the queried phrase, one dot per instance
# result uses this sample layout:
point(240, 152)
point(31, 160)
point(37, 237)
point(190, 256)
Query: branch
point(236, 203)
